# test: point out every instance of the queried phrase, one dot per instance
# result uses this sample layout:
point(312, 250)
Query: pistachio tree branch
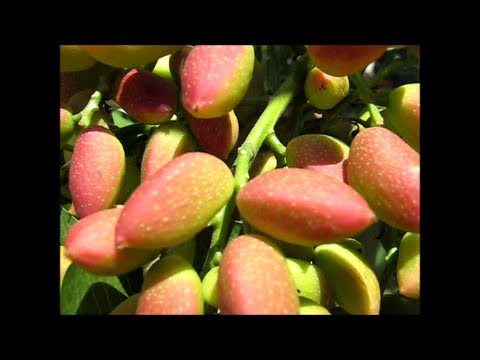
point(249, 149)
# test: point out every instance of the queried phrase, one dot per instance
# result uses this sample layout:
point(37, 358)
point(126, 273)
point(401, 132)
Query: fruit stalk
point(377, 119)
point(249, 149)
point(267, 121)
point(278, 149)
point(85, 117)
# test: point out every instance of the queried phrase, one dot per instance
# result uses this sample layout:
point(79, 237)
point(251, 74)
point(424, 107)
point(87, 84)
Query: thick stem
point(249, 149)
point(266, 123)
point(85, 117)
point(68, 147)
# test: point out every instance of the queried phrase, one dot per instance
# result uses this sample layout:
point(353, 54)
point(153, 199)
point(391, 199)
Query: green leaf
point(83, 293)
point(120, 119)
point(66, 222)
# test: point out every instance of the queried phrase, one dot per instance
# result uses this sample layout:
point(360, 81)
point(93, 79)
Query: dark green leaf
point(399, 305)
point(83, 293)
point(66, 222)
point(132, 282)
point(203, 240)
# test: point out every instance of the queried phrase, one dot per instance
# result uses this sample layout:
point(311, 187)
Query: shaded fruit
point(408, 266)
point(253, 278)
point(90, 244)
point(175, 203)
point(131, 179)
point(309, 307)
point(171, 287)
point(244, 110)
point(355, 285)
point(97, 169)
point(215, 78)
point(176, 62)
point(403, 113)
point(311, 282)
point(146, 97)
point(303, 207)
point(386, 172)
point(352, 244)
point(127, 307)
point(67, 125)
point(217, 136)
point(185, 250)
point(318, 152)
point(210, 288)
point(64, 263)
point(128, 56)
point(295, 251)
point(325, 91)
point(342, 60)
point(166, 143)
point(73, 58)
point(73, 82)
point(264, 161)
point(344, 130)
point(79, 100)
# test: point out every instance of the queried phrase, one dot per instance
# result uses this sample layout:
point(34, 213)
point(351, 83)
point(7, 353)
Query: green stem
point(277, 148)
point(375, 117)
point(85, 117)
point(249, 149)
point(266, 123)
point(364, 91)
point(275, 144)
point(220, 228)
point(68, 147)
